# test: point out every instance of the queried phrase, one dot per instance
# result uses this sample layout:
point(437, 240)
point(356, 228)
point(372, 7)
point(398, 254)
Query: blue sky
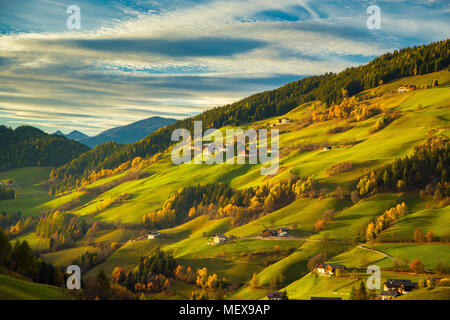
point(134, 59)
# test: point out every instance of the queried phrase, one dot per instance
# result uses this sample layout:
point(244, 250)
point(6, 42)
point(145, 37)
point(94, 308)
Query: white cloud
point(51, 73)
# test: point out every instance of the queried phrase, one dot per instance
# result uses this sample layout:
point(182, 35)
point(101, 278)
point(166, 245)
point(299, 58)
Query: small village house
point(275, 295)
point(326, 148)
point(270, 233)
point(328, 269)
point(331, 268)
point(320, 268)
point(401, 286)
point(281, 121)
point(432, 281)
point(214, 147)
point(284, 120)
point(207, 151)
point(220, 238)
point(153, 235)
point(283, 232)
point(194, 147)
point(406, 87)
point(389, 295)
point(244, 153)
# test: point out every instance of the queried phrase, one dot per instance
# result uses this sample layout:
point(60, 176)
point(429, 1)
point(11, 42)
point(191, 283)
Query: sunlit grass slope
point(17, 289)
point(31, 194)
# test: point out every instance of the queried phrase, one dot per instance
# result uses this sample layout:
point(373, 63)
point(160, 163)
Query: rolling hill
point(329, 88)
point(366, 130)
point(17, 289)
point(27, 146)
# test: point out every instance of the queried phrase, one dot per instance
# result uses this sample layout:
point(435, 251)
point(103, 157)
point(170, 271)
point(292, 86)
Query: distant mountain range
point(74, 135)
point(129, 133)
point(125, 134)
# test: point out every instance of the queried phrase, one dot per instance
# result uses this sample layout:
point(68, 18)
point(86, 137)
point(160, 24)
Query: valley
point(247, 265)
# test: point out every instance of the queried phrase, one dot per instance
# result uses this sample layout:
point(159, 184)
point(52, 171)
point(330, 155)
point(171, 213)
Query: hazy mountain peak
point(129, 133)
point(73, 135)
point(59, 133)
point(77, 135)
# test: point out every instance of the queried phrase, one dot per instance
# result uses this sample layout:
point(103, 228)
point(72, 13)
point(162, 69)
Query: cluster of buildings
point(328, 269)
point(219, 239)
point(277, 295)
point(281, 121)
point(396, 287)
point(280, 232)
point(406, 87)
point(392, 287)
point(213, 147)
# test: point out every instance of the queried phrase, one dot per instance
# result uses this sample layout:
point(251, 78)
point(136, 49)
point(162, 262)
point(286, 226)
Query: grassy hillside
point(428, 294)
point(16, 289)
point(36, 243)
point(32, 195)
point(418, 115)
point(328, 88)
point(66, 257)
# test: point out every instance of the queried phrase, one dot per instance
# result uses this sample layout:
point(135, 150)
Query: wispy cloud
point(134, 59)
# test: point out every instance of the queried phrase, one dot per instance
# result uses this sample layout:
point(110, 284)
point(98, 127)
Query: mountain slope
point(128, 133)
point(27, 147)
point(327, 88)
point(416, 116)
point(76, 135)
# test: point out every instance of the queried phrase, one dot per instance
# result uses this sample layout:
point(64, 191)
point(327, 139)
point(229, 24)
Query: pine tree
point(103, 287)
point(5, 249)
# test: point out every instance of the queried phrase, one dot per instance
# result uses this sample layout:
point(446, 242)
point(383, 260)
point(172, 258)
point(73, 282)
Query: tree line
point(220, 201)
point(62, 228)
point(7, 193)
point(20, 258)
point(427, 167)
point(149, 275)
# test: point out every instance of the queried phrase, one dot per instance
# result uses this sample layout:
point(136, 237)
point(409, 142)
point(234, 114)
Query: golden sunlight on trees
point(385, 220)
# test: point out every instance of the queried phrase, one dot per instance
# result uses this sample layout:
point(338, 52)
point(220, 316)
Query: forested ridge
point(426, 169)
point(329, 88)
point(28, 146)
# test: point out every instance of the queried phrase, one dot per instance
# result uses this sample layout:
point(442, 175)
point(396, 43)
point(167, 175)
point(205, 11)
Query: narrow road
point(381, 252)
point(296, 238)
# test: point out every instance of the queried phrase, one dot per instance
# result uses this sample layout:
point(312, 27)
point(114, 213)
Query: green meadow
point(17, 289)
